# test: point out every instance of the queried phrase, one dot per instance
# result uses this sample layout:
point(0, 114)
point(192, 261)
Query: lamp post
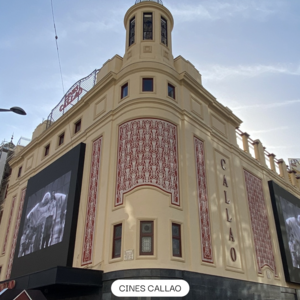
point(15, 109)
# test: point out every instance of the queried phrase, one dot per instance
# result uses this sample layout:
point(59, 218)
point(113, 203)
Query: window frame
point(122, 89)
point(77, 126)
point(20, 171)
point(116, 239)
point(61, 139)
point(177, 238)
point(46, 150)
point(131, 29)
point(144, 32)
point(174, 89)
point(147, 78)
point(146, 235)
point(161, 31)
point(1, 216)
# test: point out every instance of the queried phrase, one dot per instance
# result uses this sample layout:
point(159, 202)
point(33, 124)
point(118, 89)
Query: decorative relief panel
point(147, 155)
point(88, 240)
point(205, 231)
point(9, 223)
point(16, 232)
point(259, 222)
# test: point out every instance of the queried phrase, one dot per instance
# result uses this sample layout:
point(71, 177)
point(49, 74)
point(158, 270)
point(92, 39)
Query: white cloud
point(269, 130)
point(268, 105)
point(215, 10)
point(217, 72)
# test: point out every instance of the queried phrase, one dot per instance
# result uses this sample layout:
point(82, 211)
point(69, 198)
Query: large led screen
point(286, 209)
point(45, 216)
point(49, 219)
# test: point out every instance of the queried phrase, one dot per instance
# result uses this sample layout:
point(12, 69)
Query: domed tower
point(148, 27)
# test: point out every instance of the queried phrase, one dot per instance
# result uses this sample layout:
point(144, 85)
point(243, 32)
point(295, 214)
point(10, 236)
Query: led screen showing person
point(291, 215)
point(45, 216)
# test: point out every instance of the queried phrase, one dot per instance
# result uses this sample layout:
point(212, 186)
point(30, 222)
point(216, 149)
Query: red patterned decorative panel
point(147, 155)
point(9, 223)
point(207, 253)
point(259, 222)
point(88, 241)
point(13, 247)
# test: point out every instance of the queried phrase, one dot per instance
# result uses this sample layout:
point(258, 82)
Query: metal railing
point(157, 1)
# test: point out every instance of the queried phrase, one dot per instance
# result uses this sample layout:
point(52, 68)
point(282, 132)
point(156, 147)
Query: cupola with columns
point(148, 27)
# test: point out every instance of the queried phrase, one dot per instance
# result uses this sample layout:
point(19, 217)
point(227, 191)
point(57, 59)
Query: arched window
point(131, 31)
point(147, 26)
point(164, 31)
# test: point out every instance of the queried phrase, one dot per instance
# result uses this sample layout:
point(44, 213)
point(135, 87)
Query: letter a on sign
point(231, 237)
point(225, 181)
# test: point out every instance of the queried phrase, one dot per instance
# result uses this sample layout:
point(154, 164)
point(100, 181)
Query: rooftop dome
point(157, 1)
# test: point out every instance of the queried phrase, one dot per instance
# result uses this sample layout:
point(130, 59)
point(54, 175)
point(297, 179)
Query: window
point(146, 238)
point(117, 238)
point(77, 126)
point(61, 139)
point(1, 214)
point(176, 240)
point(164, 31)
point(147, 84)
point(171, 91)
point(20, 171)
point(124, 91)
point(131, 31)
point(47, 148)
point(6, 191)
point(147, 30)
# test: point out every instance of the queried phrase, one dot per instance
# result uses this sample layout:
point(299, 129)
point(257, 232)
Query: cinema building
point(140, 173)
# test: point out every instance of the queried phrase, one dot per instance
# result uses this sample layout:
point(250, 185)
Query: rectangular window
point(147, 84)
point(61, 139)
point(131, 31)
point(147, 29)
point(164, 31)
point(0, 269)
point(171, 91)
point(176, 240)
point(1, 214)
point(77, 126)
point(6, 191)
point(20, 171)
point(47, 148)
point(124, 91)
point(146, 238)
point(117, 239)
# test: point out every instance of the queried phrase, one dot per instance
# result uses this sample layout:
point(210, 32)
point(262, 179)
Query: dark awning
point(62, 280)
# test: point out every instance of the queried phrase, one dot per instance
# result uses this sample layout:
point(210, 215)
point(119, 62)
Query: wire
point(56, 38)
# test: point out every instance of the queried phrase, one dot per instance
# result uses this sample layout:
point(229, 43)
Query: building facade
point(166, 191)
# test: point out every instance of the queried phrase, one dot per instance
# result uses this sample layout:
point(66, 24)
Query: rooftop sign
point(73, 95)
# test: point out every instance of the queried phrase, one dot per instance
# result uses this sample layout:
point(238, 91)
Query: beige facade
point(199, 121)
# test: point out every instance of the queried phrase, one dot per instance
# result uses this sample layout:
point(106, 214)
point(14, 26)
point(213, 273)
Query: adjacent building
point(148, 176)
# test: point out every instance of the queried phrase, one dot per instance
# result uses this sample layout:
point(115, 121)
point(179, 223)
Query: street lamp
point(15, 109)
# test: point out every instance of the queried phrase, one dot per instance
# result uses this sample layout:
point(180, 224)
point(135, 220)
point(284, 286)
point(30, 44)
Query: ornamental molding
point(203, 204)
point(147, 156)
point(91, 209)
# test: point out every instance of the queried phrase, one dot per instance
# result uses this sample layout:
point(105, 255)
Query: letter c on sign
point(223, 164)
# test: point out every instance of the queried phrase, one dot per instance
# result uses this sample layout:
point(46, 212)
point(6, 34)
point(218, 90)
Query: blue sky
point(248, 52)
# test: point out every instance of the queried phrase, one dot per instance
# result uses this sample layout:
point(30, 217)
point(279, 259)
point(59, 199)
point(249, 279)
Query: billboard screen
point(286, 208)
point(49, 219)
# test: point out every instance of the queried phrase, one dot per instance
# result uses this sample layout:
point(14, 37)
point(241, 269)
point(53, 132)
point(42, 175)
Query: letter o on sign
point(233, 254)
